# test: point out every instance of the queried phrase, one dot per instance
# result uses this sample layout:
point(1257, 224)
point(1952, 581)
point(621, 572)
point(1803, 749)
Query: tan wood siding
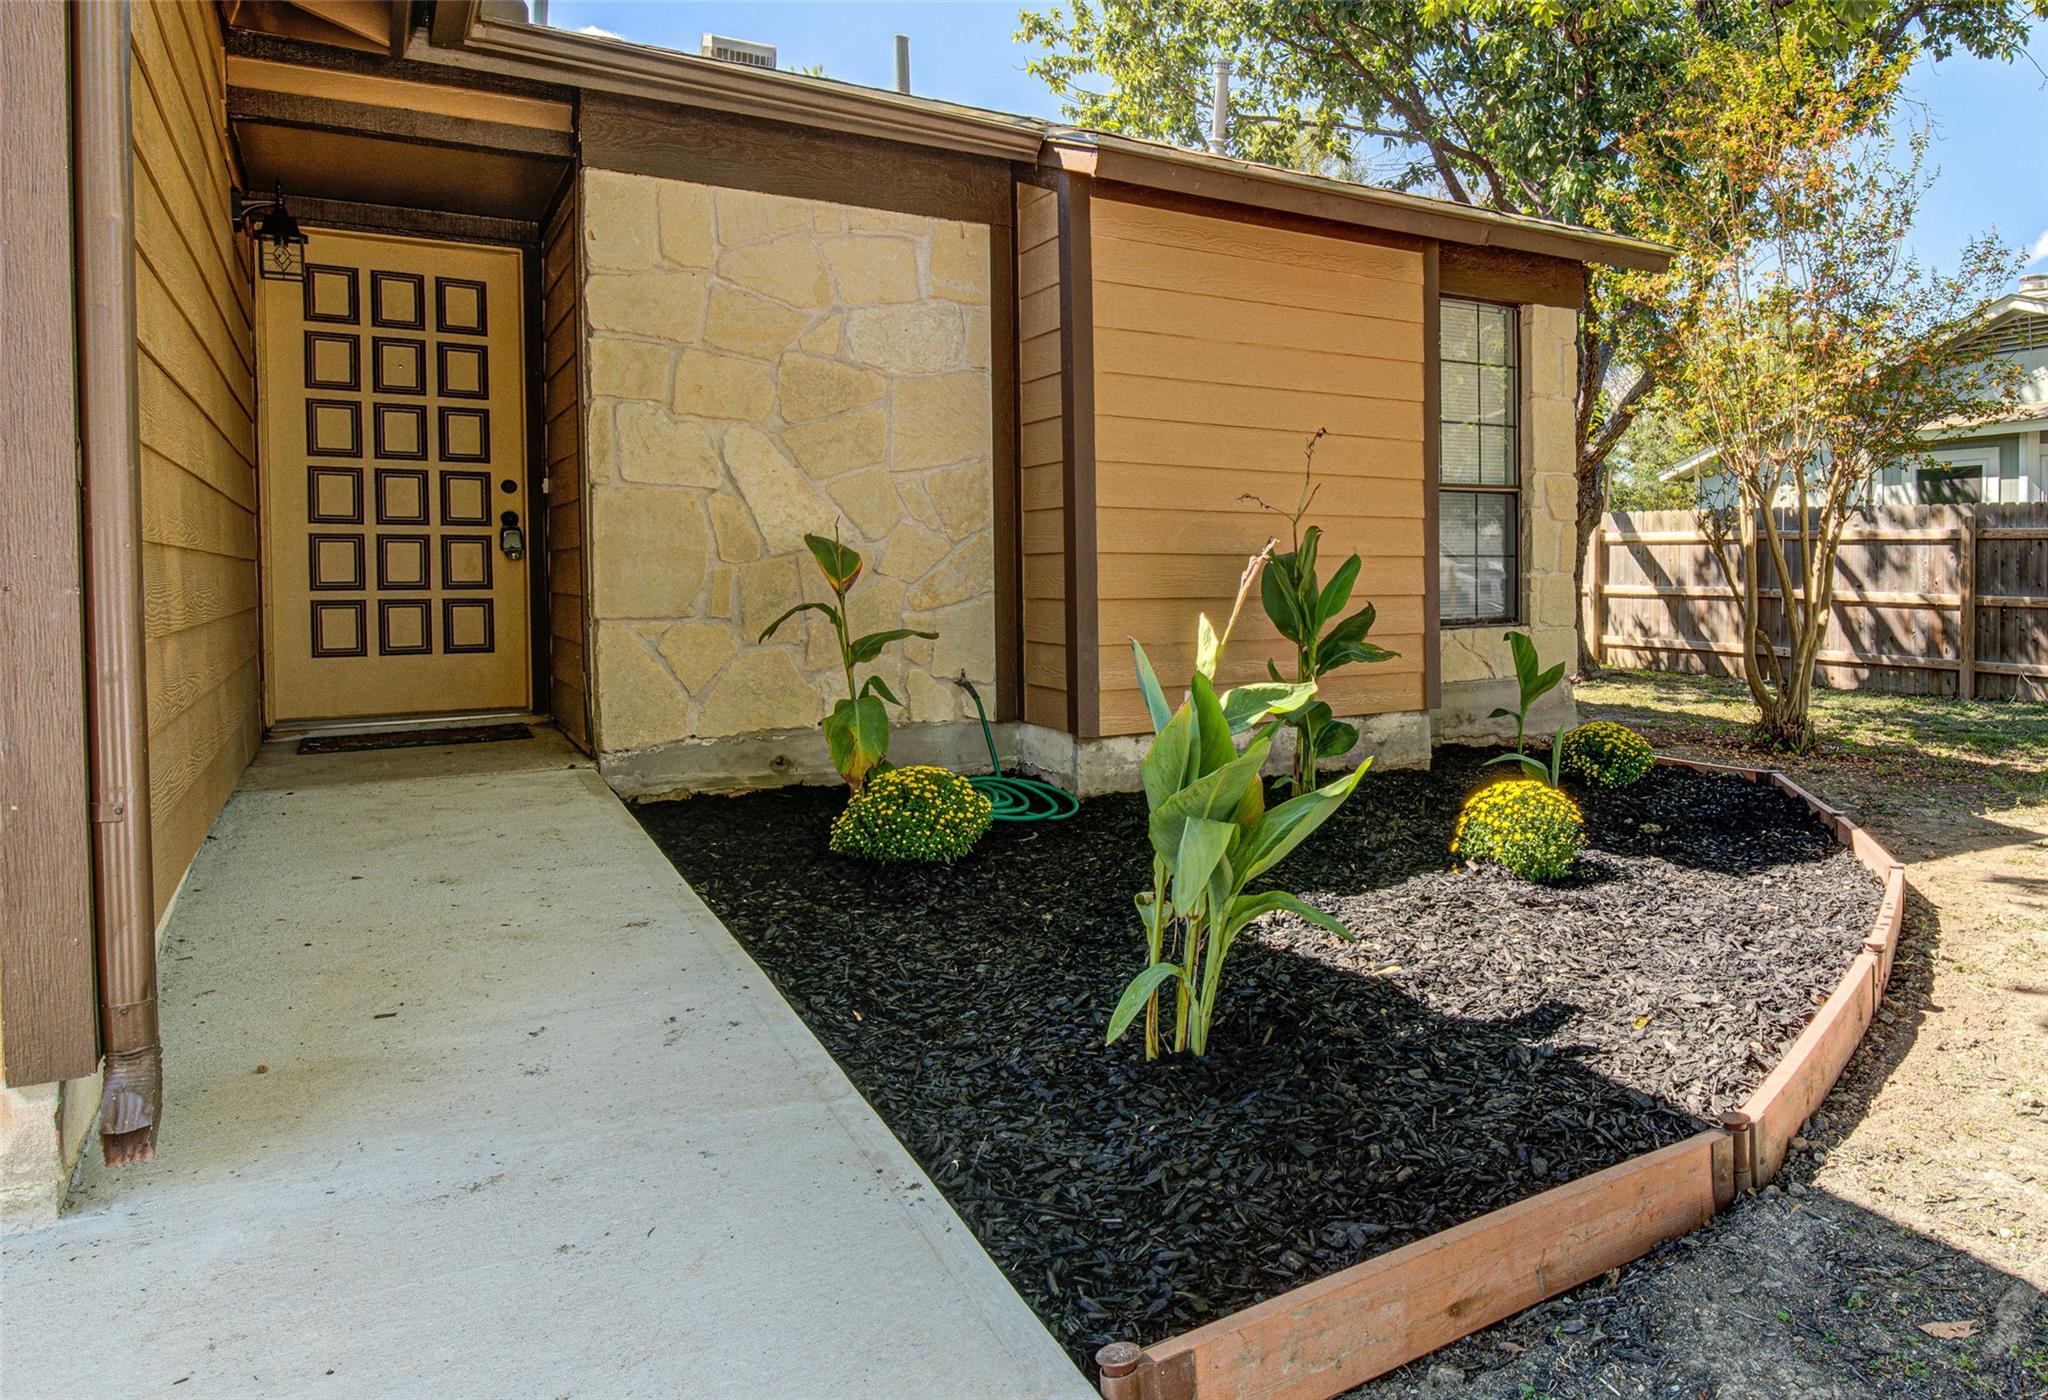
point(1219, 347)
point(196, 392)
point(562, 414)
point(1039, 458)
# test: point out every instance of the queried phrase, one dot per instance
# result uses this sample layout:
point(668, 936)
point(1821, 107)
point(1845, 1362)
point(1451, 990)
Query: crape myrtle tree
point(1808, 345)
point(1515, 105)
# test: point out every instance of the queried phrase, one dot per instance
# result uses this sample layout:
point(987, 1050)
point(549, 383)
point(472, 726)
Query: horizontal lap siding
point(196, 395)
point(562, 412)
point(1219, 347)
point(1040, 458)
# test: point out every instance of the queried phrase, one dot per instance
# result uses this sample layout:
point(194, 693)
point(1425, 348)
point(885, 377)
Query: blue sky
point(1988, 119)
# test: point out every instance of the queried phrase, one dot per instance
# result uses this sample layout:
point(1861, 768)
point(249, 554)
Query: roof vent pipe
point(1219, 110)
point(903, 64)
point(2034, 284)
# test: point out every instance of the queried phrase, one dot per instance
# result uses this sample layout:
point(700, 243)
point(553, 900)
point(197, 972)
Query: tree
point(1655, 442)
point(1516, 105)
point(1809, 347)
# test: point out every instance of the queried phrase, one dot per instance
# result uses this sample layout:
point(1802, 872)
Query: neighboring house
point(583, 337)
point(2004, 460)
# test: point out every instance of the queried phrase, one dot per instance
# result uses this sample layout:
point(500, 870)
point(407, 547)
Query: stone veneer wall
point(760, 367)
point(1478, 671)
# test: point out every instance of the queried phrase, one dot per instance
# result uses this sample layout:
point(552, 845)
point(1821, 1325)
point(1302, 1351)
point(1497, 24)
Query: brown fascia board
point(1156, 166)
point(663, 75)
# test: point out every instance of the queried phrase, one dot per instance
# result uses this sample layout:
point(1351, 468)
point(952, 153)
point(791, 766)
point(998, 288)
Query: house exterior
point(1998, 461)
point(583, 338)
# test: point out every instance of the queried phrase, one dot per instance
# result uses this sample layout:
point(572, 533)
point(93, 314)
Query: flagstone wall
point(761, 367)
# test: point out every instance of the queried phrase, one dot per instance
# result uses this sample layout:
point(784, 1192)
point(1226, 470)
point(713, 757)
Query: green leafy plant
point(919, 813)
point(1610, 754)
point(857, 730)
point(1525, 825)
point(1212, 835)
point(1533, 683)
point(1305, 611)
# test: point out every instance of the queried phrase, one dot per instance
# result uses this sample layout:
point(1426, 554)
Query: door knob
point(511, 539)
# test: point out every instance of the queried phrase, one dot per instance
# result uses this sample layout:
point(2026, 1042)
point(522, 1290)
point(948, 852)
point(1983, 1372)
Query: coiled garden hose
point(1015, 799)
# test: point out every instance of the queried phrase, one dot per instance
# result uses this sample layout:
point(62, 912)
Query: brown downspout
point(123, 889)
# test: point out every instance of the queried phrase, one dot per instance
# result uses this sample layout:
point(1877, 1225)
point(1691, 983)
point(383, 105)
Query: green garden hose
point(1015, 799)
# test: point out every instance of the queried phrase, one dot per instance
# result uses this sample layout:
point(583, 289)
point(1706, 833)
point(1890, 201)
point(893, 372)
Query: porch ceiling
point(376, 168)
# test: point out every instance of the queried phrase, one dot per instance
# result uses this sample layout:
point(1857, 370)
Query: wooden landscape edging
point(1338, 1332)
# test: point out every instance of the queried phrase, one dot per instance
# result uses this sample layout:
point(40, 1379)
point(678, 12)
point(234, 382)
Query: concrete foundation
point(1465, 715)
point(785, 757)
point(1089, 767)
point(44, 1130)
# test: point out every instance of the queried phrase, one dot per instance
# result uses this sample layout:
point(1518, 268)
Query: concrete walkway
point(471, 1096)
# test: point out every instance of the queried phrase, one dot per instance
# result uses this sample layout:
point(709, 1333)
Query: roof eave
point(663, 75)
point(1200, 173)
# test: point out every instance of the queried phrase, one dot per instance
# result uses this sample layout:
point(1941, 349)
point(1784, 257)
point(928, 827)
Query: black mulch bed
point(1481, 1040)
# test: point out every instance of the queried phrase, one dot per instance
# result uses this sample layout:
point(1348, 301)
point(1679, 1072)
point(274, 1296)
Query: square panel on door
point(465, 370)
point(465, 498)
point(459, 306)
point(333, 361)
point(405, 627)
point(465, 435)
point(338, 628)
point(466, 625)
point(334, 495)
point(334, 428)
point(465, 561)
point(403, 562)
point(398, 301)
point(401, 496)
point(398, 365)
point(401, 431)
point(330, 294)
point(335, 563)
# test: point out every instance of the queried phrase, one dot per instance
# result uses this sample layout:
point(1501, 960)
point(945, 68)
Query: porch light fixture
point(280, 245)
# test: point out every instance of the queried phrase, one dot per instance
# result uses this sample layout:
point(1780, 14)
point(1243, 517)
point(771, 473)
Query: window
point(1479, 468)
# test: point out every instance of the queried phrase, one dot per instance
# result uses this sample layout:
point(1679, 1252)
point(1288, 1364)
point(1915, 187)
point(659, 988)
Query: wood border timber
point(1336, 1333)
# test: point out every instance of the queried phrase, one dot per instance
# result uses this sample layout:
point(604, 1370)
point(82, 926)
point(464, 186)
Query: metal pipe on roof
point(903, 64)
point(131, 1105)
point(1219, 109)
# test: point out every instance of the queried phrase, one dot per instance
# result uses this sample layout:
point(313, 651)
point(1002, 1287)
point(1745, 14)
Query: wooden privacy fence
point(1928, 600)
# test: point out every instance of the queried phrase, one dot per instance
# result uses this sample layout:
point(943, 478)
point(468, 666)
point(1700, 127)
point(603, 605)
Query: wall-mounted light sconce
point(280, 245)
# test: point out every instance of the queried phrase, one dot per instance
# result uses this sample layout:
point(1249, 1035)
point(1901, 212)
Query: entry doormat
point(414, 738)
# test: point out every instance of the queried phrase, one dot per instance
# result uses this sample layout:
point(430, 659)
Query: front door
point(393, 427)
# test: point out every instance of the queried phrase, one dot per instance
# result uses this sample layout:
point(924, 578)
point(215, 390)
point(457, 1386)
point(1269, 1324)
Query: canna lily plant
point(1212, 835)
point(1532, 683)
point(857, 730)
point(1305, 611)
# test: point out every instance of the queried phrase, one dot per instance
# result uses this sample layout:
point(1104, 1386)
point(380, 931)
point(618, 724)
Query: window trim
point(1517, 611)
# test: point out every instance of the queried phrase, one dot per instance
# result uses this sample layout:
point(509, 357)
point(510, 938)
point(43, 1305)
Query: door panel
point(393, 409)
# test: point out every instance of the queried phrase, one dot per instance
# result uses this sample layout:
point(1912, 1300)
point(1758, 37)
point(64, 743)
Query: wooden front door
point(393, 425)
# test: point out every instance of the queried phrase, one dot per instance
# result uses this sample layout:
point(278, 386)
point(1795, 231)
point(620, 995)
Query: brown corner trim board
point(1326, 1337)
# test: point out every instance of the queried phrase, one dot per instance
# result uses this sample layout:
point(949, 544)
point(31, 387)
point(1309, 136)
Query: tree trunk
point(1592, 504)
point(1785, 719)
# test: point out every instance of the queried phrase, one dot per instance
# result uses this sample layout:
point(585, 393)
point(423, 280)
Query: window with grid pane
point(1479, 469)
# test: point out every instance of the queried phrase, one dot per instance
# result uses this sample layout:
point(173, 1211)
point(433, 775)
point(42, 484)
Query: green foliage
point(1516, 105)
point(1533, 683)
point(1656, 441)
point(857, 730)
point(1806, 348)
point(1305, 611)
point(1609, 754)
point(1212, 835)
point(918, 813)
point(1523, 825)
